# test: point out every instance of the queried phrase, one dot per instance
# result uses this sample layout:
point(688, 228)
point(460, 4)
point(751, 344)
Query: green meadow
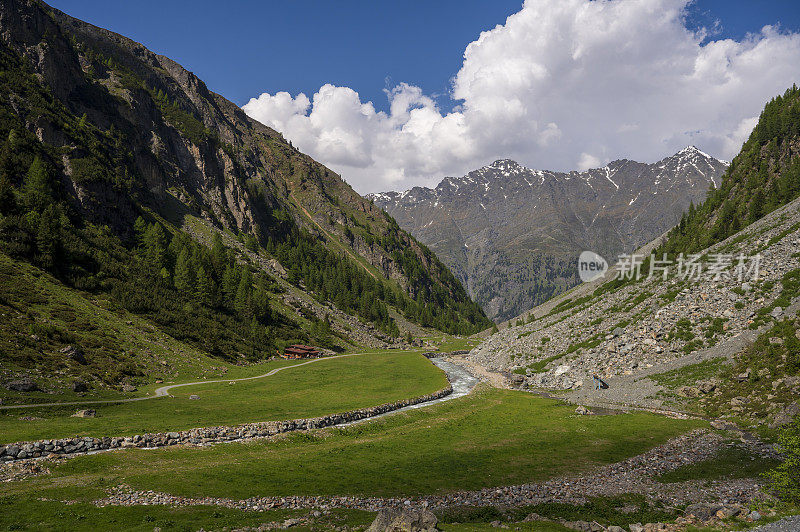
point(316, 389)
point(489, 438)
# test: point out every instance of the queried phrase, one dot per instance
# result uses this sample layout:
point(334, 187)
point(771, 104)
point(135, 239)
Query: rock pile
point(22, 470)
point(405, 520)
point(74, 353)
point(22, 385)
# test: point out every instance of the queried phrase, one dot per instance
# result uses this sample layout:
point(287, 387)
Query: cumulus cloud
point(562, 85)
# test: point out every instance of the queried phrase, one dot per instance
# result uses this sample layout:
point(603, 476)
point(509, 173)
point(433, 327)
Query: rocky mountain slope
point(123, 177)
point(512, 234)
point(721, 339)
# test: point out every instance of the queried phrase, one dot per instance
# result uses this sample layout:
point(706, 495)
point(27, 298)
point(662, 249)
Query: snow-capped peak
point(506, 167)
point(692, 151)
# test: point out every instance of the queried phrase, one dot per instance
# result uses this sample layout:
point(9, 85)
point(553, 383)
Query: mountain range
point(512, 234)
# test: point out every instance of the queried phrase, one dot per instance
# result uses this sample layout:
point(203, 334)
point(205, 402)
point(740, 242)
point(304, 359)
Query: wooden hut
point(294, 352)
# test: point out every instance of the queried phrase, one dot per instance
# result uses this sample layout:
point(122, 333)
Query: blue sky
point(244, 48)
point(397, 94)
point(241, 49)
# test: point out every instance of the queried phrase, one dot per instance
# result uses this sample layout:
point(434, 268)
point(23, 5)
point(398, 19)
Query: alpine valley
point(203, 328)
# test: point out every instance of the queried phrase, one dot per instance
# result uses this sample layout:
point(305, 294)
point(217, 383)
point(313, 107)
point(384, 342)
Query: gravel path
point(788, 524)
point(164, 390)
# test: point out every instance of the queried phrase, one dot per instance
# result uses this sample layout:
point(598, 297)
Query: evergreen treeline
point(764, 176)
point(337, 279)
point(199, 295)
point(444, 305)
point(333, 278)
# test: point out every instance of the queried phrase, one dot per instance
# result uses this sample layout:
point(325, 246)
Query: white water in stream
point(460, 379)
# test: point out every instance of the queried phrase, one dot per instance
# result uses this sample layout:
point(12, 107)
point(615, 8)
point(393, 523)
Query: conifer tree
point(757, 206)
point(140, 228)
point(184, 276)
point(36, 190)
point(164, 275)
point(155, 248)
point(218, 254)
point(48, 237)
point(242, 302)
point(230, 284)
point(204, 287)
point(7, 200)
point(8, 203)
point(260, 304)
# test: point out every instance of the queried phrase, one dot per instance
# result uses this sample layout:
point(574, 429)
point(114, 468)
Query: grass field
point(730, 462)
point(448, 343)
point(34, 514)
point(320, 388)
point(691, 374)
point(490, 438)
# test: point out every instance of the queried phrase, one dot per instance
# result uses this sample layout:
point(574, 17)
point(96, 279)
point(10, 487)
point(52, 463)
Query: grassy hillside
point(41, 316)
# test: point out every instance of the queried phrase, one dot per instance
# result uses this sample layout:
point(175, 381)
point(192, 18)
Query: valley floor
point(464, 458)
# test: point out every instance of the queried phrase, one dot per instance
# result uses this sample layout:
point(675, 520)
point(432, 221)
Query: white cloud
point(563, 84)
point(587, 160)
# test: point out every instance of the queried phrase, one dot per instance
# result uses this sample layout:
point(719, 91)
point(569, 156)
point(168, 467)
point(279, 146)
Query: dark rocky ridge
point(512, 234)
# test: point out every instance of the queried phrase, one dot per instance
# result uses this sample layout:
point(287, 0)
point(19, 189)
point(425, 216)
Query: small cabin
point(297, 351)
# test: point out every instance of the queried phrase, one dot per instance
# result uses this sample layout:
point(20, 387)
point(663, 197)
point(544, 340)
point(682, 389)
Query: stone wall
point(198, 436)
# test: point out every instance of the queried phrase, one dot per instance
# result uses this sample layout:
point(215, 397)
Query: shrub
point(785, 479)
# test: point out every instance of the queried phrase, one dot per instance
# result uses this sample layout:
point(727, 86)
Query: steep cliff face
point(130, 131)
point(178, 141)
point(513, 234)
